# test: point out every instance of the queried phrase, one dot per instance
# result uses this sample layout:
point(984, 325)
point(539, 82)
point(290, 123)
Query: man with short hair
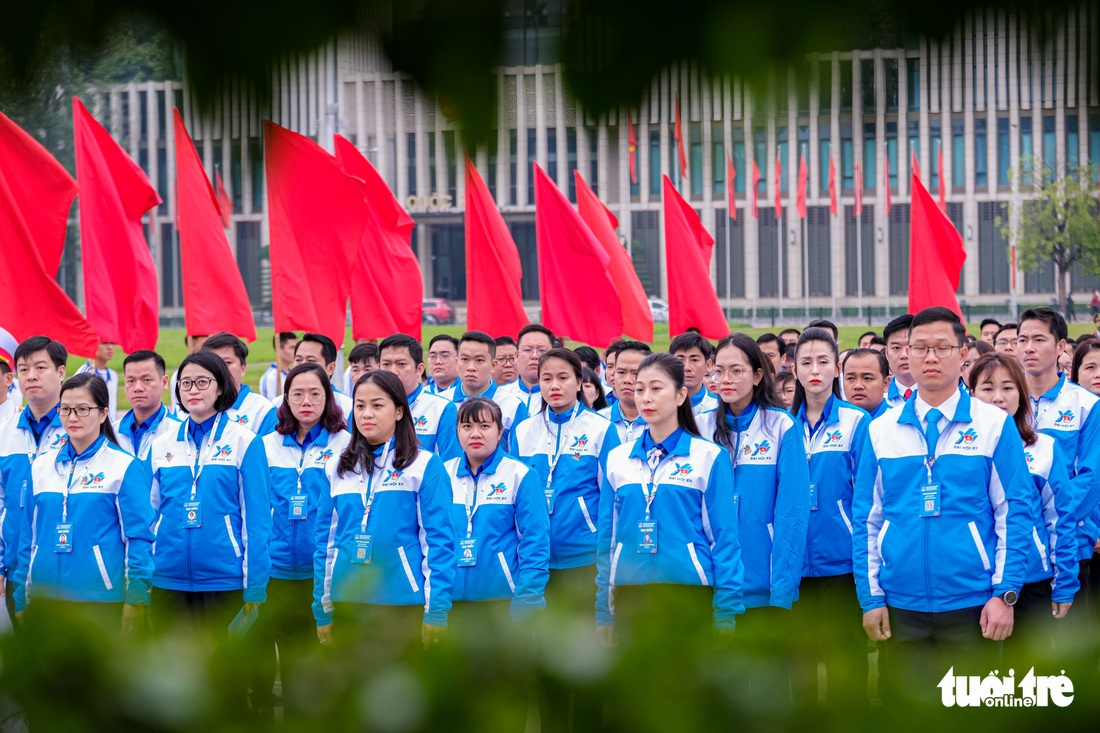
point(610, 354)
point(362, 359)
point(827, 325)
point(443, 366)
point(316, 348)
point(271, 383)
point(1004, 340)
point(8, 407)
point(865, 373)
point(624, 413)
point(789, 336)
point(903, 385)
point(865, 339)
point(943, 510)
point(988, 330)
point(435, 418)
point(476, 352)
point(878, 343)
point(772, 346)
point(697, 356)
point(37, 431)
point(98, 366)
point(534, 341)
point(504, 373)
point(145, 379)
point(250, 410)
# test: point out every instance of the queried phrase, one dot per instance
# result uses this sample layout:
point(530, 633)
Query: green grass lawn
point(261, 352)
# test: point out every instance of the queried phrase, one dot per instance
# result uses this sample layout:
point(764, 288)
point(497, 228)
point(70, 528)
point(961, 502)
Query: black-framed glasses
point(80, 410)
point(199, 383)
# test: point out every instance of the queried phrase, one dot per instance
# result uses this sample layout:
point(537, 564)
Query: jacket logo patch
point(59, 441)
point(94, 479)
point(223, 451)
point(1065, 418)
point(1028, 458)
point(167, 457)
point(833, 438)
point(967, 439)
point(580, 442)
point(420, 422)
point(393, 477)
point(759, 449)
point(240, 419)
point(324, 456)
point(497, 492)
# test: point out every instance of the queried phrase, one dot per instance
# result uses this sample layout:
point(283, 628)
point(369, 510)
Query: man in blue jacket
point(943, 510)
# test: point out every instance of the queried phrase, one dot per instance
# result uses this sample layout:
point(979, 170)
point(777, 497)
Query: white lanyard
point(69, 484)
point(471, 505)
point(563, 435)
point(808, 436)
point(201, 461)
point(105, 376)
point(301, 463)
point(366, 489)
point(1035, 409)
point(649, 487)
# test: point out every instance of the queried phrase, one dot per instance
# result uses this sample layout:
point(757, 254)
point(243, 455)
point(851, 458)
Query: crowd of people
point(929, 494)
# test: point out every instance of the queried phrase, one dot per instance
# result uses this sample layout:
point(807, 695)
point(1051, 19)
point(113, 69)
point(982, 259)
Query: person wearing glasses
point(86, 541)
point(534, 341)
point(434, 417)
point(507, 354)
point(942, 521)
point(1004, 341)
point(443, 366)
point(476, 354)
point(145, 379)
point(903, 385)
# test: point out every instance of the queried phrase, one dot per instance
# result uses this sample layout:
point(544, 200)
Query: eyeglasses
point(538, 353)
point(735, 375)
point(507, 359)
point(297, 398)
point(80, 410)
point(440, 357)
point(199, 383)
point(942, 352)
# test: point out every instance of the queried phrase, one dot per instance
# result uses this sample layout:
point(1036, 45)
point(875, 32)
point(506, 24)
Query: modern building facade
point(993, 97)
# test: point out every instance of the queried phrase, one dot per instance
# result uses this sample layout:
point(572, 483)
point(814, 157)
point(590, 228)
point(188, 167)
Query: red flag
point(225, 204)
point(494, 300)
point(692, 301)
point(388, 296)
point(778, 188)
point(36, 194)
point(679, 134)
point(578, 297)
point(755, 189)
point(859, 192)
point(832, 185)
point(803, 175)
point(120, 278)
point(916, 165)
point(936, 254)
point(214, 296)
point(317, 215)
point(637, 318)
point(632, 147)
point(731, 188)
point(886, 182)
point(943, 181)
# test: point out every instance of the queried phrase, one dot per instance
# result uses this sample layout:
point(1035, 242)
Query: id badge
point(930, 500)
point(363, 544)
point(813, 497)
point(192, 514)
point(549, 492)
point(467, 552)
point(298, 506)
point(647, 538)
point(64, 537)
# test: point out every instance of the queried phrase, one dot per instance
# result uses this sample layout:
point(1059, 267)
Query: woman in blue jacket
point(833, 432)
point(669, 553)
point(310, 435)
point(86, 539)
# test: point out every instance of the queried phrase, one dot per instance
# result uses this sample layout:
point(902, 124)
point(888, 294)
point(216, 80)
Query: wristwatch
point(1009, 597)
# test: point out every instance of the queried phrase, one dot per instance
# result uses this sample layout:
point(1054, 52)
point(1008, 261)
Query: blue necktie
point(932, 429)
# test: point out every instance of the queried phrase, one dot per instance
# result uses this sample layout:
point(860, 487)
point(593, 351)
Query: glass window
point(552, 153)
point(532, 150)
point(256, 162)
point(718, 160)
point(695, 158)
point(825, 86)
point(1027, 151)
point(781, 96)
point(433, 184)
point(890, 69)
point(410, 161)
point(913, 84)
point(845, 86)
point(958, 154)
point(450, 154)
point(1073, 150)
point(782, 144)
point(802, 90)
point(870, 159)
point(654, 163)
point(571, 161)
point(674, 157)
point(1049, 156)
point(1094, 142)
point(513, 165)
point(492, 181)
point(825, 149)
point(847, 159)
point(594, 159)
point(741, 172)
point(1004, 153)
point(867, 84)
point(937, 145)
point(892, 152)
point(760, 156)
point(981, 155)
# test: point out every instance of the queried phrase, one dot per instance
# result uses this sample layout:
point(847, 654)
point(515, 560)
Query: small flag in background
point(943, 181)
point(778, 188)
point(859, 192)
point(679, 134)
point(632, 148)
point(832, 185)
point(225, 204)
point(916, 165)
point(803, 176)
point(755, 188)
point(731, 189)
point(886, 183)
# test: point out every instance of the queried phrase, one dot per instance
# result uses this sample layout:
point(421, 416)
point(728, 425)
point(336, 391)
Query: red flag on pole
point(679, 134)
point(120, 278)
point(755, 189)
point(637, 318)
point(731, 188)
point(36, 194)
point(832, 185)
point(632, 147)
point(886, 182)
point(214, 295)
point(936, 254)
point(943, 180)
point(859, 192)
point(388, 296)
point(692, 300)
point(803, 175)
point(317, 215)
point(225, 204)
point(494, 301)
point(578, 297)
point(778, 188)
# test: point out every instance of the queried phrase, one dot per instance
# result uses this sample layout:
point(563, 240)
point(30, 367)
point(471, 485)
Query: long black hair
point(97, 388)
point(406, 446)
point(332, 419)
point(590, 377)
point(814, 333)
point(212, 363)
point(574, 363)
point(674, 370)
point(763, 394)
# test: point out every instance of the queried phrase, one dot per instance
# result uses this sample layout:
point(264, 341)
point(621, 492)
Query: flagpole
point(805, 270)
point(729, 253)
point(859, 261)
point(779, 222)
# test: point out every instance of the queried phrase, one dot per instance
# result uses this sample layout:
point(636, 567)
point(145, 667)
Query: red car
point(438, 310)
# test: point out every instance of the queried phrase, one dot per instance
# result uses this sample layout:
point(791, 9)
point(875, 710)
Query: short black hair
point(505, 341)
point(477, 409)
point(480, 337)
point(588, 357)
point(901, 323)
point(209, 361)
point(224, 339)
point(640, 346)
point(54, 349)
point(613, 348)
point(442, 337)
point(328, 346)
point(939, 314)
point(872, 334)
point(1005, 327)
point(795, 331)
point(692, 340)
point(768, 338)
point(878, 341)
point(1052, 318)
point(822, 323)
point(283, 336)
point(790, 350)
point(989, 322)
point(404, 341)
point(880, 358)
point(145, 355)
point(536, 328)
point(369, 352)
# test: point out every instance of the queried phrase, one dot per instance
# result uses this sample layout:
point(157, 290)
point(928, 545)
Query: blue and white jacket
point(512, 409)
point(880, 410)
point(703, 401)
point(772, 481)
point(502, 508)
point(833, 447)
point(1055, 531)
point(298, 479)
point(977, 546)
point(447, 393)
point(436, 421)
point(573, 497)
point(100, 498)
point(269, 382)
point(412, 538)
point(253, 412)
point(628, 429)
point(1067, 412)
point(531, 397)
point(18, 451)
point(895, 393)
point(694, 513)
point(229, 548)
point(126, 429)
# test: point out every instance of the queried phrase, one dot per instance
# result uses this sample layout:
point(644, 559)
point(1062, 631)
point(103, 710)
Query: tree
point(1054, 220)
